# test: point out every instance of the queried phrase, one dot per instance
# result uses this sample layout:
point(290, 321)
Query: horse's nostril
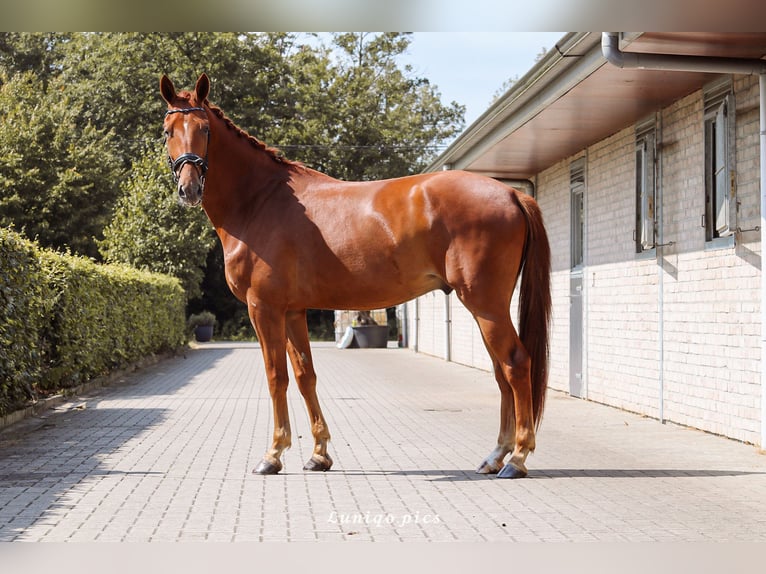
point(181, 193)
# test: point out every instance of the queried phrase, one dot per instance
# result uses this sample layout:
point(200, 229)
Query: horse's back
point(376, 244)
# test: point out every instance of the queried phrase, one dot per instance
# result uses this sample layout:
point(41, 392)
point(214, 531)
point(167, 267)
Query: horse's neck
point(241, 177)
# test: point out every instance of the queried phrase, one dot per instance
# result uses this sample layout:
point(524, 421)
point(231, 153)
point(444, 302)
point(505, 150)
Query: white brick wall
point(431, 335)
point(708, 299)
point(620, 288)
point(711, 297)
point(467, 346)
point(554, 203)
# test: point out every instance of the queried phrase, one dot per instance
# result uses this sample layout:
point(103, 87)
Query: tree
point(57, 176)
point(387, 122)
point(88, 111)
point(38, 53)
point(114, 76)
point(151, 231)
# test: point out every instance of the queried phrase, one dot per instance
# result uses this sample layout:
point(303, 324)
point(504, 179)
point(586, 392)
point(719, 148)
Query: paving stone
point(167, 456)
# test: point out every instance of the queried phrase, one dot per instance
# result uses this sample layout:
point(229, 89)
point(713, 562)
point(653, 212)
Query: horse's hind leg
point(513, 362)
point(299, 350)
point(505, 438)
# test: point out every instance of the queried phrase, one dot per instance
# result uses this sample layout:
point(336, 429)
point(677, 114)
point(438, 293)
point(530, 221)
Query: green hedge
point(65, 319)
point(22, 315)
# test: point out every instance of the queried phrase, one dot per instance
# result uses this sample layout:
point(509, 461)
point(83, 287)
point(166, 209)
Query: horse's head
point(187, 136)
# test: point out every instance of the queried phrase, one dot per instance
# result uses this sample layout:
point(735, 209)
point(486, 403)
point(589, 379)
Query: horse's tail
point(535, 301)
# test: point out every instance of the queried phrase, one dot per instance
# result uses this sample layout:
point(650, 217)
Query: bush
point(65, 319)
point(105, 316)
point(205, 318)
point(22, 314)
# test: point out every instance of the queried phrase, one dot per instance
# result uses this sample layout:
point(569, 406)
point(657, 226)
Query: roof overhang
point(574, 98)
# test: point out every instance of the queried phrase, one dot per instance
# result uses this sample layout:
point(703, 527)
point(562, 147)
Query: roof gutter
point(611, 50)
point(571, 60)
point(610, 47)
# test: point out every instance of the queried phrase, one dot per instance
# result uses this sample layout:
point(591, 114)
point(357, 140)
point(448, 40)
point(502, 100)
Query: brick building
point(646, 164)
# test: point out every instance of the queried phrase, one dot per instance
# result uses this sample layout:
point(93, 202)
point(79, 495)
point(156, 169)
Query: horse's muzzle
point(189, 172)
point(191, 185)
point(190, 193)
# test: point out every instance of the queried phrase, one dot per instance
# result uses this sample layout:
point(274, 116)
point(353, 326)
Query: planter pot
point(371, 336)
point(203, 333)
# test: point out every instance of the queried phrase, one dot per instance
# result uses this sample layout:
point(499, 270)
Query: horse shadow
point(463, 475)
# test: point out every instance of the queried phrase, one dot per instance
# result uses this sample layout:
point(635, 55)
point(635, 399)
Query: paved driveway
point(167, 454)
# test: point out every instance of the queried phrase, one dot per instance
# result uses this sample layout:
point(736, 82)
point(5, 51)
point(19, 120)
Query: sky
point(469, 67)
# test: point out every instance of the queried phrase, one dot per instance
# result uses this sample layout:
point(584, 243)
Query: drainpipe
point(404, 332)
point(447, 327)
point(659, 207)
point(762, 95)
point(416, 328)
point(447, 309)
point(610, 47)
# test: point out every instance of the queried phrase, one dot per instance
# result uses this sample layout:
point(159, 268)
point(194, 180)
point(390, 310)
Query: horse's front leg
point(270, 326)
point(299, 349)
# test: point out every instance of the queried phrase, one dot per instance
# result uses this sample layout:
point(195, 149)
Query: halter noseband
point(192, 158)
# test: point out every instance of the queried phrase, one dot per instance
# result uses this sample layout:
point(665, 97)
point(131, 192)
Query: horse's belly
point(373, 292)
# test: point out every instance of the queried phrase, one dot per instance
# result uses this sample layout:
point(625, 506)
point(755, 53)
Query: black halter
point(192, 158)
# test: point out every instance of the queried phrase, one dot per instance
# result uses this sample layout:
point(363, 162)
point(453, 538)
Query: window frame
point(719, 125)
point(577, 214)
point(645, 233)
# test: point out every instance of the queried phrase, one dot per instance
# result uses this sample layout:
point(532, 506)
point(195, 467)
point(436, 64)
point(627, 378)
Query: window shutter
point(646, 184)
point(577, 190)
point(721, 172)
point(720, 160)
point(647, 193)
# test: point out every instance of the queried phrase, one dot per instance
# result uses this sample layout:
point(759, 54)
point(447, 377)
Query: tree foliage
point(58, 176)
point(81, 117)
point(389, 123)
point(39, 54)
point(150, 231)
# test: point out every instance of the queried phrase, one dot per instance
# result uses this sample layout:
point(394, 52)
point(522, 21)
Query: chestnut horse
point(294, 239)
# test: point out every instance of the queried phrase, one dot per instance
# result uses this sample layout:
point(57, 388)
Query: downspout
point(404, 319)
point(610, 47)
point(447, 327)
point(659, 207)
point(447, 310)
point(762, 97)
point(416, 327)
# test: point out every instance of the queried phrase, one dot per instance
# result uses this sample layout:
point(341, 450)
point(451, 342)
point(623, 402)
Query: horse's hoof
point(487, 468)
point(266, 467)
point(318, 464)
point(511, 471)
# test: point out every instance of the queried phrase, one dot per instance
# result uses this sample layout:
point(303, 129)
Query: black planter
point(371, 336)
point(203, 333)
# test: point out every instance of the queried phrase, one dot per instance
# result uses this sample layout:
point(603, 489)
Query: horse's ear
point(202, 88)
point(167, 89)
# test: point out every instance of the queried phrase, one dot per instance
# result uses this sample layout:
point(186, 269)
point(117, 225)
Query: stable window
point(577, 189)
point(720, 218)
point(646, 186)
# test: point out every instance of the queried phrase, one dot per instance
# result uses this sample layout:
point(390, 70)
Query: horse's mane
point(272, 152)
